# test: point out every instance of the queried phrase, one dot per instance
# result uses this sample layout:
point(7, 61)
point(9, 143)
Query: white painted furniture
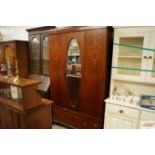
point(120, 117)
point(139, 56)
point(133, 68)
point(125, 116)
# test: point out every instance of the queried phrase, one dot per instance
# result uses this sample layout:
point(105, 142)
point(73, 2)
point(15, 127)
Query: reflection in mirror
point(73, 60)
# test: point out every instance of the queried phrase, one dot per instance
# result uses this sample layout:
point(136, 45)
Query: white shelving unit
point(133, 68)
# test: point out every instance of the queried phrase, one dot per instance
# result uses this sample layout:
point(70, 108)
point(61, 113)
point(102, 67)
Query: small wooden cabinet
point(21, 107)
point(13, 50)
point(39, 51)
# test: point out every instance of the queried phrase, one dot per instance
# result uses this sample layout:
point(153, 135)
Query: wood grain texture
point(95, 45)
point(16, 50)
point(30, 111)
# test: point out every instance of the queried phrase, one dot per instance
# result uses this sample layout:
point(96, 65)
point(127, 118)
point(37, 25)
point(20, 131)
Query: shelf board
point(136, 47)
point(133, 69)
point(130, 57)
point(75, 76)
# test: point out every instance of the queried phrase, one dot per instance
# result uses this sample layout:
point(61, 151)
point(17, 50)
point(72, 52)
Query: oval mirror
point(73, 59)
point(73, 72)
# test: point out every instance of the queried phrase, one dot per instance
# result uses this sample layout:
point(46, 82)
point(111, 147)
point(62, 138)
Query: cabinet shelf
point(130, 57)
point(133, 69)
point(74, 76)
point(133, 46)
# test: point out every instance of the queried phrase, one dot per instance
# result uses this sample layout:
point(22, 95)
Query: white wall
point(14, 32)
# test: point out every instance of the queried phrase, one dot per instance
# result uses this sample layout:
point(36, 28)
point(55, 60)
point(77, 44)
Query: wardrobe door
point(94, 73)
point(58, 64)
point(66, 82)
point(45, 69)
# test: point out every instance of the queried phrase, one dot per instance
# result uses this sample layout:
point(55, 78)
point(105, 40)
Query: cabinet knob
point(145, 57)
point(150, 57)
point(121, 111)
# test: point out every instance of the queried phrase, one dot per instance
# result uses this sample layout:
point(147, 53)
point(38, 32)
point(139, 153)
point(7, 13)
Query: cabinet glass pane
point(153, 73)
point(130, 56)
point(1, 57)
point(35, 55)
point(46, 65)
point(10, 56)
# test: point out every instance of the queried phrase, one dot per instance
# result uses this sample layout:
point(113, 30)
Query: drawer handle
point(121, 111)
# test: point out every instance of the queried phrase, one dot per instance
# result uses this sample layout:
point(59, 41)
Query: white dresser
point(126, 116)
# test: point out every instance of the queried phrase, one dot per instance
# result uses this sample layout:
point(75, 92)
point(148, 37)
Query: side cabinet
point(32, 119)
point(123, 117)
point(119, 117)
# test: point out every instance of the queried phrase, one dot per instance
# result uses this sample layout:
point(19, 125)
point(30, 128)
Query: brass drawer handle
point(121, 111)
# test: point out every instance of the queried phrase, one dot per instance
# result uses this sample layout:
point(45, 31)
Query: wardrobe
point(80, 68)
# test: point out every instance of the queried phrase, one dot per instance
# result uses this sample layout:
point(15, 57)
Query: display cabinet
point(39, 53)
point(21, 106)
point(80, 73)
point(10, 51)
point(133, 55)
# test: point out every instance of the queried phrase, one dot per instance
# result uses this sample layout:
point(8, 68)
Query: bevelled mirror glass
point(73, 59)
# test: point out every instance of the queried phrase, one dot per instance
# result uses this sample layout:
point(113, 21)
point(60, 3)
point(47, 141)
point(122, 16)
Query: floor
point(57, 126)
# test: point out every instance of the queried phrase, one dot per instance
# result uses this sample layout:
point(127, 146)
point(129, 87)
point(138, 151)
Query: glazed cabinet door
point(130, 56)
point(45, 63)
point(10, 54)
point(35, 53)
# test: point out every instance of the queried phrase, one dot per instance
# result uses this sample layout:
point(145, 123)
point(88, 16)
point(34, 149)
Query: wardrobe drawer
point(123, 111)
point(75, 120)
